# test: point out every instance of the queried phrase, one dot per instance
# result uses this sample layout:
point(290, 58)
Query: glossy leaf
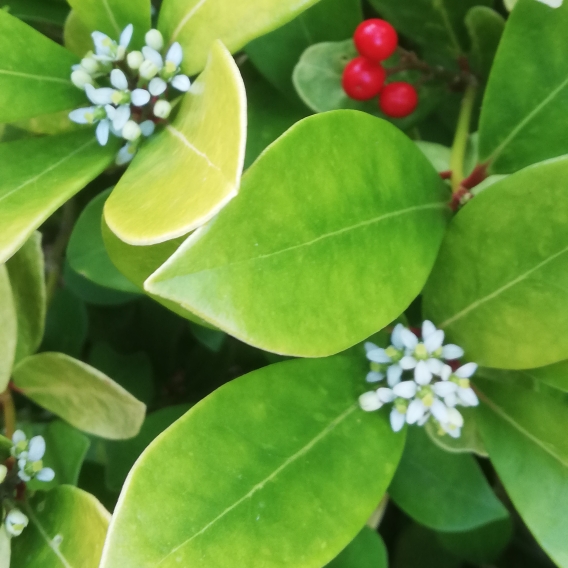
point(502, 306)
point(278, 468)
point(443, 491)
point(38, 11)
point(555, 375)
point(86, 251)
point(187, 173)
point(485, 27)
point(81, 395)
point(8, 328)
point(76, 35)
point(524, 432)
point(39, 175)
point(35, 73)
point(519, 121)
point(67, 528)
point(27, 277)
point(196, 24)
point(304, 241)
point(277, 53)
point(366, 550)
point(112, 16)
point(122, 455)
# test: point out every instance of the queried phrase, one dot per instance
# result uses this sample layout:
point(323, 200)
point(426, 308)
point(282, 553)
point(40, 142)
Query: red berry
point(398, 99)
point(376, 39)
point(363, 79)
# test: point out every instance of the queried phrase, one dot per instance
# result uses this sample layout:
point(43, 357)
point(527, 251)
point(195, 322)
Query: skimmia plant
point(283, 283)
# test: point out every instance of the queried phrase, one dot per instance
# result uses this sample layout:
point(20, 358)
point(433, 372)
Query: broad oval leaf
point(525, 434)
point(27, 277)
point(183, 176)
point(366, 550)
point(501, 307)
point(196, 24)
point(38, 12)
point(81, 395)
point(67, 529)
point(330, 240)
point(277, 468)
point(8, 328)
point(35, 73)
point(76, 35)
point(519, 122)
point(86, 252)
point(39, 175)
point(443, 491)
point(112, 16)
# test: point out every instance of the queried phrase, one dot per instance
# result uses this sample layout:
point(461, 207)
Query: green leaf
point(555, 375)
point(76, 35)
point(122, 455)
point(67, 528)
point(86, 252)
point(27, 277)
point(443, 491)
point(519, 120)
point(5, 447)
point(35, 73)
point(367, 550)
point(5, 547)
point(296, 265)
point(277, 53)
point(37, 11)
point(437, 154)
point(485, 27)
point(81, 395)
point(39, 175)
point(8, 329)
point(279, 468)
point(524, 432)
point(197, 24)
point(318, 81)
point(502, 306)
point(187, 173)
point(66, 449)
point(112, 16)
point(437, 25)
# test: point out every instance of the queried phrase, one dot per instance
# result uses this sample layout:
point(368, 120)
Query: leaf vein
point(186, 19)
point(36, 77)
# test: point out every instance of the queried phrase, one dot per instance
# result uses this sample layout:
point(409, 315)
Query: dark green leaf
point(366, 550)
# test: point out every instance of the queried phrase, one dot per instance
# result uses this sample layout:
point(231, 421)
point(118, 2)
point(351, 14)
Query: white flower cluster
point(432, 389)
point(29, 454)
point(131, 91)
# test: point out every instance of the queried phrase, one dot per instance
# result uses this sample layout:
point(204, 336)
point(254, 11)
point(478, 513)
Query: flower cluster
point(434, 384)
point(130, 92)
point(29, 454)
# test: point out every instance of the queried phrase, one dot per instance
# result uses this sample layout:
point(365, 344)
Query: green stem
point(9, 411)
point(462, 135)
point(57, 251)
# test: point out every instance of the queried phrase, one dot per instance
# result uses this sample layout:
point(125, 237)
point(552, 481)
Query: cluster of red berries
point(364, 77)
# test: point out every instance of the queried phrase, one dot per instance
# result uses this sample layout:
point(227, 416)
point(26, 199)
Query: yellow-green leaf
point(8, 328)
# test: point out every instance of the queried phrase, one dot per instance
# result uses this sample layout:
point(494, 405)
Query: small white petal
point(24, 476)
point(454, 432)
point(395, 337)
point(422, 374)
point(370, 346)
point(46, 474)
point(446, 372)
point(424, 419)
point(436, 366)
point(147, 127)
point(415, 412)
point(455, 418)
point(140, 97)
point(118, 80)
point(134, 59)
point(19, 436)
point(428, 328)
point(154, 39)
point(102, 132)
point(378, 356)
point(439, 411)
point(444, 388)
point(99, 96)
point(408, 363)
point(406, 389)
point(434, 341)
point(451, 400)
point(468, 397)
point(369, 401)
point(79, 116)
point(181, 83)
point(36, 448)
point(409, 340)
point(125, 154)
point(126, 35)
point(451, 352)
point(16, 522)
point(552, 3)
point(466, 371)
point(394, 374)
point(131, 131)
point(121, 117)
point(102, 43)
point(397, 420)
point(374, 377)
point(80, 78)
point(153, 56)
point(385, 395)
point(157, 86)
point(110, 111)
point(175, 54)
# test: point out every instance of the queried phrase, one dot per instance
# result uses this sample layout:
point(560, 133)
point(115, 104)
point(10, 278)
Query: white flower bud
point(157, 86)
point(147, 127)
point(148, 70)
point(135, 59)
point(369, 401)
point(16, 522)
point(81, 78)
point(3, 473)
point(90, 65)
point(36, 450)
point(181, 83)
point(131, 131)
point(162, 109)
point(125, 154)
point(155, 40)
